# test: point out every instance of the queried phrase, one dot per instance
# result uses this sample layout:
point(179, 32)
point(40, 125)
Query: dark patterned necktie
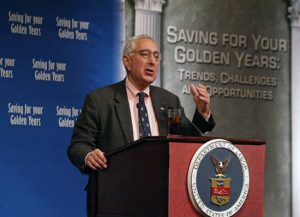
point(144, 126)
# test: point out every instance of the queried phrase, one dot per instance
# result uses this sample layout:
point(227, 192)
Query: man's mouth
point(149, 71)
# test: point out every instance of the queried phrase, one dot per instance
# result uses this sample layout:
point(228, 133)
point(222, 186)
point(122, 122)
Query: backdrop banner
point(52, 53)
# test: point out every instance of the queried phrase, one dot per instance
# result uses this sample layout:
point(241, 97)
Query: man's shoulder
point(108, 89)
point(161, 91)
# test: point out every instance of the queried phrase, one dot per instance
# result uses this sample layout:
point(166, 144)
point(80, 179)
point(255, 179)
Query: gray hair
point(131, 43)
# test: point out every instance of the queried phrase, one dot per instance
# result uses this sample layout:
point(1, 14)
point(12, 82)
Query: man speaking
point(118, 114)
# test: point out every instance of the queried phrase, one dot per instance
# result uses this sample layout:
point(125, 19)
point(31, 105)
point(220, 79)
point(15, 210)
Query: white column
point(148, 20)
point(294, 12)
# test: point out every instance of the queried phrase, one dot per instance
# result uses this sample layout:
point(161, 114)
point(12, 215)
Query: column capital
point(149, 5)
point(294, 13)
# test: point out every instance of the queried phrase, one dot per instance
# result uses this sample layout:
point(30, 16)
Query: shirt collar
point(133, 90)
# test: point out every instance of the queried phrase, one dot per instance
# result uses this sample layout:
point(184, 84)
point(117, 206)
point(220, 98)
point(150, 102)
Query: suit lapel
point(161, 111)
point(123, 111)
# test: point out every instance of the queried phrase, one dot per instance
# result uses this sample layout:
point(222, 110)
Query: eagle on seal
point(221, 166)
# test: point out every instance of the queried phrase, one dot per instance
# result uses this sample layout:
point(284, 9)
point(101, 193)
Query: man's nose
point(152, 59)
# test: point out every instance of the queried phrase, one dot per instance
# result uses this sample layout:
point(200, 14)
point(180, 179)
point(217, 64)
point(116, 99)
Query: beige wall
point(241, 51)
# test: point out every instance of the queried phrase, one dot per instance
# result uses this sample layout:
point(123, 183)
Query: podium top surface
point(185, 139)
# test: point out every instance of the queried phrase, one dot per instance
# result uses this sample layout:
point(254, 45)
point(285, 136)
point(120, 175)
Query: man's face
point(142, 65)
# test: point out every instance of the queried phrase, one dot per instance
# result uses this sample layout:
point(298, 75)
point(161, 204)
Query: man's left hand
point(202, 100)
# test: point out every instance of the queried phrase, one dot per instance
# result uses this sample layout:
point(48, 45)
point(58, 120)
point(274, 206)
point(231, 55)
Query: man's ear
point(127, 62)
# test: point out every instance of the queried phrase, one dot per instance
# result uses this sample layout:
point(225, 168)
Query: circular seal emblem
point(218, 178)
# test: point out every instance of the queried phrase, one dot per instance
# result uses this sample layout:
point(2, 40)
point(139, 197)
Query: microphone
point(189, 128)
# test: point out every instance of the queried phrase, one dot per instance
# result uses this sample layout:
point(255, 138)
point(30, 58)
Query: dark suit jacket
point(105, 120)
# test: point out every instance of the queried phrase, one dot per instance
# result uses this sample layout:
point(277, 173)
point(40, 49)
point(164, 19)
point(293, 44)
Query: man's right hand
point(96, 160)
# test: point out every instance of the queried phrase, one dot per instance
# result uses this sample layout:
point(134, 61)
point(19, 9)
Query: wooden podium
point(148, 178)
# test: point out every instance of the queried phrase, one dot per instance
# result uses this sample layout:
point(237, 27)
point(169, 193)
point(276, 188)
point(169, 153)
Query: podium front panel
point(181, 154)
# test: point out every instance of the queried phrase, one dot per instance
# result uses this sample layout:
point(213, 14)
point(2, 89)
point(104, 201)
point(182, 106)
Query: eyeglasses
point(146, 54)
